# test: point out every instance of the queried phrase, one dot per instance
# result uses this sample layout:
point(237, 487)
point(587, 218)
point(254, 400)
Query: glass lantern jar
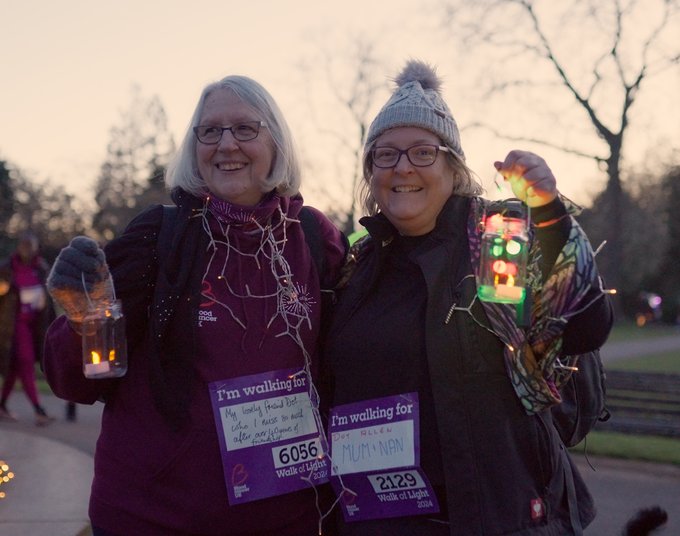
point(504, 253)
point(104, 342)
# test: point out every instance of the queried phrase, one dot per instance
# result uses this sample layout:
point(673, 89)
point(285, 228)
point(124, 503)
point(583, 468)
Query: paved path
point(53, 469)
point(48, 494)
point(622, 487)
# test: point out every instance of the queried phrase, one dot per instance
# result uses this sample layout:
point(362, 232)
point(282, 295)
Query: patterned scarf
point(531, 357)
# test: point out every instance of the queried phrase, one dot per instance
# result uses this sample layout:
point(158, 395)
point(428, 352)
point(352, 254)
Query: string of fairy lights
point(293, 305)
point(5, 476)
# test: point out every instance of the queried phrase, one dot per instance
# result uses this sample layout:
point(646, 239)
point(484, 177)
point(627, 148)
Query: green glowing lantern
point(503, 262)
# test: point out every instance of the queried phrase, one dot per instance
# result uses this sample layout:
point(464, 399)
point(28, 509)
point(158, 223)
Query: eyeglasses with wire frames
point(212, 134)
point(422, 155)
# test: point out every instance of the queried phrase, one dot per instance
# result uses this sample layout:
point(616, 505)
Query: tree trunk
point(611, 257)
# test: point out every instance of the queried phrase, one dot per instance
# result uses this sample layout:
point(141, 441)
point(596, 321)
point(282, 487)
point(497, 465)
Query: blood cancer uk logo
point(293, 301)
point(205, 313)
point(239, 476)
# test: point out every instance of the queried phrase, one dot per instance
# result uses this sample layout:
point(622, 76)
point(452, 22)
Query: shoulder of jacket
point(139, 237)
point(357, 254)
point(313, 216)
point(152, 214)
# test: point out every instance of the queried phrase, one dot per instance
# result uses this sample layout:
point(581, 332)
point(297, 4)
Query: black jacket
point(497, 460)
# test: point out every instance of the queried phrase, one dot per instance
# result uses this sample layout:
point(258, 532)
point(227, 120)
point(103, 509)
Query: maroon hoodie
point(153, 478)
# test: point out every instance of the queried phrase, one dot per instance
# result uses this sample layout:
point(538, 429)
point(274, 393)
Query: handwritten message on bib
point(268, 435)
point(375, 453)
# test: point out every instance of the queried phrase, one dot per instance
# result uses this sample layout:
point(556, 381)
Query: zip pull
point(450, 313)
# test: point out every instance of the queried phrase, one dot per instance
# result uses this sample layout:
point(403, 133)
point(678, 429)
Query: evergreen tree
point(47, 210)
point(139, 148)
point(6, 206)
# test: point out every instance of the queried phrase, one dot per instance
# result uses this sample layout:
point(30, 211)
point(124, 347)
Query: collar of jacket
point(451, 220)
point(450, 229)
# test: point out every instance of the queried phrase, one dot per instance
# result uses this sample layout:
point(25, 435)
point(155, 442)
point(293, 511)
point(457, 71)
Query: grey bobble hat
point(417, 102)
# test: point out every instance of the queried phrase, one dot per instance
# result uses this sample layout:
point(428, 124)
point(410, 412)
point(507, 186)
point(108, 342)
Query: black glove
point(80, 278)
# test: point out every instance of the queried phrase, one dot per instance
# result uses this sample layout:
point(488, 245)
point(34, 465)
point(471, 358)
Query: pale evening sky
point(68, 67)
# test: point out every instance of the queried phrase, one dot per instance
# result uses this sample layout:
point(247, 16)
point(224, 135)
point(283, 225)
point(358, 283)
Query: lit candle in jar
point(103, 343)
point(97, 366)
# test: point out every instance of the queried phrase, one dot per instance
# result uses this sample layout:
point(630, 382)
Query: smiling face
point(411, 197)
point(234, 170)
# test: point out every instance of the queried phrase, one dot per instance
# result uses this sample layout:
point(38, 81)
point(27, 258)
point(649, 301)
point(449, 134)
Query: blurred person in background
point(25, 313)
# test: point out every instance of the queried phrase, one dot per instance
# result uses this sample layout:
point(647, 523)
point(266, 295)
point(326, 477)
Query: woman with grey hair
point(443, 381)
point(215, 423)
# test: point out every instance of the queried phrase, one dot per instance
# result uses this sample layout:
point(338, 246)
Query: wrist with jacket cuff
point(549, 214)
point(552, 226)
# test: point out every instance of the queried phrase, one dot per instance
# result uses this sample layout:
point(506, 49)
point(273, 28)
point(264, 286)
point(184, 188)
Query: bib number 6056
point(296, 453)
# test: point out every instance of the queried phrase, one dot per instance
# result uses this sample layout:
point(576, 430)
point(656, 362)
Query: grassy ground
point(648, 448)
point(627, 331)
point(631, 447)
point(662, 362)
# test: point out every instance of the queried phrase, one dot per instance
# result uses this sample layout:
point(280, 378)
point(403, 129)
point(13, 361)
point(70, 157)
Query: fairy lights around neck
point(292, 302)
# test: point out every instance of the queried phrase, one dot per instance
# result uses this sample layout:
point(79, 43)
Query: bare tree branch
point(527, 139)
point(353, 80)
point(617, 73)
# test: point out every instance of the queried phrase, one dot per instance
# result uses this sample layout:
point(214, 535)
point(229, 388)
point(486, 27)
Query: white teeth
point(230, 166)
point(402, 189)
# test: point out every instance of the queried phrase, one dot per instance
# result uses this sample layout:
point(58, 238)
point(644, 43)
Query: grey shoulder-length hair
point(284, 177)
point(464, 181)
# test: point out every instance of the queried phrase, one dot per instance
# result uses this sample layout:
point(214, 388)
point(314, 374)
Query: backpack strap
point(310, 226)
point(166, 231)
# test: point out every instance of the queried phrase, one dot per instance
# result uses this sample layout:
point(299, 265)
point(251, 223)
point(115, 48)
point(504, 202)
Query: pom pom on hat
point(417, 102)
point(421, 72)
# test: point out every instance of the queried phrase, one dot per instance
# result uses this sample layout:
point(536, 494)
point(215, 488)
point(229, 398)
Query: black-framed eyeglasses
point(212, 134)
point(419, 155)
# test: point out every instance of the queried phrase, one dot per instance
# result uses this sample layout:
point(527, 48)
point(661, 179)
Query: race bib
point(269, 438)
point(375, 458)
point(33, 298)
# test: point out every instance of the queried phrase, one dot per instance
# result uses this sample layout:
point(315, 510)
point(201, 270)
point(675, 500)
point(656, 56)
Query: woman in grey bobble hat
point(444, 412)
